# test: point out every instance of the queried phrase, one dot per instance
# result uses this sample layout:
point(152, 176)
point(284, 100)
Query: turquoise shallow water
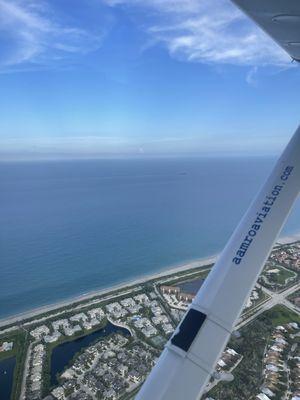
point(71, 227)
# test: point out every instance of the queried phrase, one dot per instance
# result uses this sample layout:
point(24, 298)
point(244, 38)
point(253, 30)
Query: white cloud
point(208, 31)
point(251, 76)
point(31, 34)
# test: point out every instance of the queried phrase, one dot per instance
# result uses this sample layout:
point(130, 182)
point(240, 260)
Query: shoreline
point(202, 262)
point(198, 263)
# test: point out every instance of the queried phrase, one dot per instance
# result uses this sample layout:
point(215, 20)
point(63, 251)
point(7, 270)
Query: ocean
point(70, 227)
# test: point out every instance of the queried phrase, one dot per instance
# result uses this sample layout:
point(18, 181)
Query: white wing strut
point(190, 356)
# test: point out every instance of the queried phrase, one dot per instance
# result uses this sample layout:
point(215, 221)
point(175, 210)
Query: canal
point(7, 367)
point(63, 353)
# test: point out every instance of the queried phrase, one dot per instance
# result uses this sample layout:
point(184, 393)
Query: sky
point(102, 78)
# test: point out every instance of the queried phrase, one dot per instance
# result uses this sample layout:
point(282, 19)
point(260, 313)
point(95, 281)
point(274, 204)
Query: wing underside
point(279, 18)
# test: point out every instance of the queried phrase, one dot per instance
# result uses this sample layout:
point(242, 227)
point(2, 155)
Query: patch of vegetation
point(21, 342)
point(281, 279)
point(294, 296)
point(262, 297)
point(185, 277)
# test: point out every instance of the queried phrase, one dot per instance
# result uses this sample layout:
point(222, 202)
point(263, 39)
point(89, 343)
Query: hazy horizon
point(94, 148)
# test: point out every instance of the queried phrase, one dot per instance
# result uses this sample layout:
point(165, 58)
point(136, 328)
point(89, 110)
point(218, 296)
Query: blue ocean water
point(70, 227)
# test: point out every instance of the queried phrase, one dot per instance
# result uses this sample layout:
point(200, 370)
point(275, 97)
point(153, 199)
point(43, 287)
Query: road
point(26, 369)
point(274, 299)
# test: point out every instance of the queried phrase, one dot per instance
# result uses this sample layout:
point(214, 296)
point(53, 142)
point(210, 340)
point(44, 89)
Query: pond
point(7, 367)
point(63, 353)
point(191, 287)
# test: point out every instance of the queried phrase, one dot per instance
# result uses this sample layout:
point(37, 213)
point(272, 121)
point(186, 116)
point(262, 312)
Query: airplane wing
point(189, 358)
point(279, 18)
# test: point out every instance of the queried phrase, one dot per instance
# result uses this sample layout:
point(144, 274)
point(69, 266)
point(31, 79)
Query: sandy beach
point(140, 280)
point(203, 262)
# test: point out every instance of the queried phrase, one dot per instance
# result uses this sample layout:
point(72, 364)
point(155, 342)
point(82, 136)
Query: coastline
point(198, 263)
point(202, 262)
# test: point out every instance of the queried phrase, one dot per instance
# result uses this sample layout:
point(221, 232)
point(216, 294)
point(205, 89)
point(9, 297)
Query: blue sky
point(90, 78)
